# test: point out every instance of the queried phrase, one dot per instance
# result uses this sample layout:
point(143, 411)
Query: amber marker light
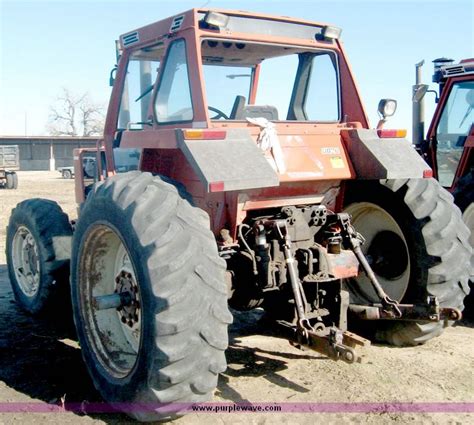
point(197, 134)
point(393, 134)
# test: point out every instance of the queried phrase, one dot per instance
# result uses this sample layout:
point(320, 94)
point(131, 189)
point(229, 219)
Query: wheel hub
point(387, 251)
point(25, 260)
point(388, 255)
point(128, 289)
point(112, 300)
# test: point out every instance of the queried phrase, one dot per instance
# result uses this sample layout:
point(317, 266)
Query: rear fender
point(383, 158)
point(234, 162)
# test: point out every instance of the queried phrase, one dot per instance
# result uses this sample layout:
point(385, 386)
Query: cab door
point(452, 132)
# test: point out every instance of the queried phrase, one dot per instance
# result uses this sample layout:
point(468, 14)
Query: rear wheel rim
point(387, 251)
point(114, 334)
point(26, 261)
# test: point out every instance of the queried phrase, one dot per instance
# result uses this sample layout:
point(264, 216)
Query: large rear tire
point(464, 199)
point(418, 246)
point(38, 252)
point(138, 234)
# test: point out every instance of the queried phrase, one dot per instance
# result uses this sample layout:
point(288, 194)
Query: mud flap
point(234, 163)
point(388, 158)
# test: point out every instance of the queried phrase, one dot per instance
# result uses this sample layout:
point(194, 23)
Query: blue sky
point(45, 46)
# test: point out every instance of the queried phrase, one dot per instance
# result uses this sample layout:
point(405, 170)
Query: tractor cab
point(236, 75)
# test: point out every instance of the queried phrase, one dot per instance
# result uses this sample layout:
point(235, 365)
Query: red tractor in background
point(449, 144)
point(259, 184)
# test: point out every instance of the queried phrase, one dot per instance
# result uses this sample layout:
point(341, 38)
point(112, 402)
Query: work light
point(215, 19)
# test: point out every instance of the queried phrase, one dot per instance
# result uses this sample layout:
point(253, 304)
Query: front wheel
point(139, 239)
point(38, 251)
point(15, 180)
point(10, 181)
point(417, 245)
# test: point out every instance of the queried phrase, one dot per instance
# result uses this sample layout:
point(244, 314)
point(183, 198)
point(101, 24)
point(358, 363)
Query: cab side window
point(142, 71)
point(322, 94)
point(173, 102)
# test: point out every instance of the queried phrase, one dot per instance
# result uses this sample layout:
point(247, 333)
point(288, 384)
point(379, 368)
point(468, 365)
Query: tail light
point(198, 134)
point(386, 134)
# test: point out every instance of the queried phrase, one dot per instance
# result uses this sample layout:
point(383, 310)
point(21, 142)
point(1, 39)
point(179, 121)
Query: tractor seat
point(259, 111)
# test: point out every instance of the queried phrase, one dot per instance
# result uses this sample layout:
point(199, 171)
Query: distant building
point(47, 152)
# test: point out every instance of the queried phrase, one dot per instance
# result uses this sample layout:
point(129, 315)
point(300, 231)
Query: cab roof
point(258, 26)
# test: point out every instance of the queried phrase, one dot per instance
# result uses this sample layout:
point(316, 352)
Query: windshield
point(225, 84)
point(252, 80)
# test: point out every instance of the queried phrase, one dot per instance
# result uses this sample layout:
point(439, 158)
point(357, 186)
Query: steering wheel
point(219, 113)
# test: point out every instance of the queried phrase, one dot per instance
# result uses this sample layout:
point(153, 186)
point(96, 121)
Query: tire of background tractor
point(139, 234)
point(38, 251)
point(418, 246)
point(464, 199)
point(9, 181)
point(67, 174)
point(15, 180)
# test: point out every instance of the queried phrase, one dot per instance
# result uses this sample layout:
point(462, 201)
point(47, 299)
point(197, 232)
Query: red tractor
point(449, 145)
point(259, 183)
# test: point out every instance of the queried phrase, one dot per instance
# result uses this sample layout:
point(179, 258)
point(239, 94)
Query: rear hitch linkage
point(389, 309)
point(332, 342)
point(429, 312)
point(355, 241)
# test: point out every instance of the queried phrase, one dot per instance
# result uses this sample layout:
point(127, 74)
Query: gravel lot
point(40, 360)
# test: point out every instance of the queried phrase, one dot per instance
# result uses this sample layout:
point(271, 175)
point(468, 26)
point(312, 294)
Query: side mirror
point(387, 107)
point(112, 76)
point(419, 92)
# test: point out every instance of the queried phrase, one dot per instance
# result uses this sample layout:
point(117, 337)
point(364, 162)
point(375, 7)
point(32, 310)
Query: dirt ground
point(40, 360)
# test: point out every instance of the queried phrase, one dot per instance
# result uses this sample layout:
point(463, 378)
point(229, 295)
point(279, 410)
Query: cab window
point(142, 72)
point(293, 84)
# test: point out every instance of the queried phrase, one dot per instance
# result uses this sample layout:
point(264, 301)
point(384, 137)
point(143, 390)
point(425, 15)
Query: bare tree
point(75, 115)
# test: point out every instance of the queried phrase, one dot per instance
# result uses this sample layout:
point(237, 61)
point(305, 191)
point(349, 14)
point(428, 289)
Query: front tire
point(15, 180)
point(9, 181)
point(418, 246)
point(139, 234)
point(38, 252)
